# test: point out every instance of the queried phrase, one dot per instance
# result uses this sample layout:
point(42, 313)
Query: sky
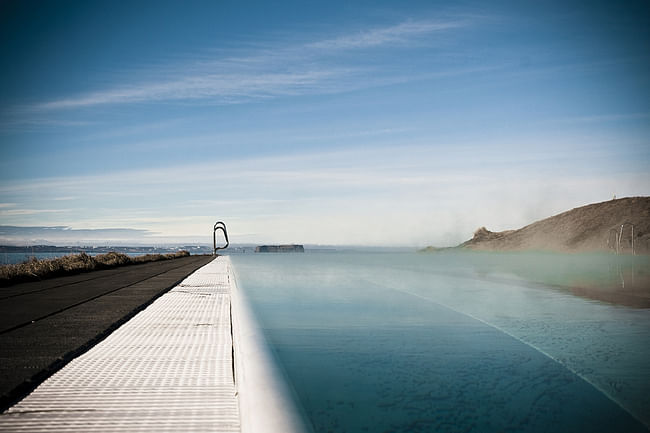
point(337, 123)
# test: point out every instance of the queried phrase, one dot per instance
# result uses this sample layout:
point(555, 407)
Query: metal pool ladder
point(219, 225)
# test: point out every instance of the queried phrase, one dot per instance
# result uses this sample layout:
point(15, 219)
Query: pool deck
point(169, 368)
point(195, 359)
point(45, 324)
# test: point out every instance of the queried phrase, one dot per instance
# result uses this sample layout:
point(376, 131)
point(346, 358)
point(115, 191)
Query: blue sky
point(375, 123)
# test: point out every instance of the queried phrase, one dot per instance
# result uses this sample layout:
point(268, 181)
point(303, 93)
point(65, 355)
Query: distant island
point(280, 249)
point(595, 227)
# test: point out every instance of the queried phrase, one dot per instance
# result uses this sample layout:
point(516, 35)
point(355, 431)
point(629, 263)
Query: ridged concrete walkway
point(170, 368)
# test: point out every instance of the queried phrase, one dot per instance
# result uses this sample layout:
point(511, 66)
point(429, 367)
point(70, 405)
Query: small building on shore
point(280, 249)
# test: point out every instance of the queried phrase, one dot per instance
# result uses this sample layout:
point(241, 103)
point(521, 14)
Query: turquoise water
point(380, 342)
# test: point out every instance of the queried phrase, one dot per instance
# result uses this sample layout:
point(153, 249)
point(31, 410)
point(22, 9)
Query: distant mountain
point(594, 227)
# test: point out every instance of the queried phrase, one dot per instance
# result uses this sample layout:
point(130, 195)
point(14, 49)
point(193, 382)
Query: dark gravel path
point(45, 324)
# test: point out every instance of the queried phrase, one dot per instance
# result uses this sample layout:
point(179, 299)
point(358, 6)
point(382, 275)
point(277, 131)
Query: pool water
point(408, 342)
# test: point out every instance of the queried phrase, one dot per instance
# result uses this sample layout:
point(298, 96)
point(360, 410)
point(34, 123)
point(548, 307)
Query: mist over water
point(457, 341)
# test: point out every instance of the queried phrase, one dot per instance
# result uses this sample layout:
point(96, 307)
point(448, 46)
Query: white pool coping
point(265, 401)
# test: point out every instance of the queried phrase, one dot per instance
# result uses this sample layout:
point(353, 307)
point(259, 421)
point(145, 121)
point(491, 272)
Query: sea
point(14, 258)
point(457, 341)
point(10, 258)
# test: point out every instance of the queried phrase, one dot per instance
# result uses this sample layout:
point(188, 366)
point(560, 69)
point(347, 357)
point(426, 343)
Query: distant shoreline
point(26, 249)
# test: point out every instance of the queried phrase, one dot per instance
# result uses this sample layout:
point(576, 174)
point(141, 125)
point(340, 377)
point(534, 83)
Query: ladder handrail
point(620, 236)
point(219, 225)
point(612, 244)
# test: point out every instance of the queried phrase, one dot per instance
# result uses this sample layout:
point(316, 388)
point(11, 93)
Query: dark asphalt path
point(45, 324)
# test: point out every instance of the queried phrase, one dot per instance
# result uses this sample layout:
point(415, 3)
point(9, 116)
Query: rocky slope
point(587, 228)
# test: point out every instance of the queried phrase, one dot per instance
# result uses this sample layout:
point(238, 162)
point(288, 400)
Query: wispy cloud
point(65, 234)
point(286, 198)
point(22, 212)
point(400, 33)
point(222, 88)
point(603, 118)
point(282, 70)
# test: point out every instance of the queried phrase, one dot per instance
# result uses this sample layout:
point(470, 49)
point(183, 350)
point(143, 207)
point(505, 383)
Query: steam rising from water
point(379, 314)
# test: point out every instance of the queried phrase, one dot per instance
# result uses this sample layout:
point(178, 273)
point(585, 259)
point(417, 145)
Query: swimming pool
point(397, 342)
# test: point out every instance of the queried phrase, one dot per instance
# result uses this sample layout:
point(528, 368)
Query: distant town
point(37, 249)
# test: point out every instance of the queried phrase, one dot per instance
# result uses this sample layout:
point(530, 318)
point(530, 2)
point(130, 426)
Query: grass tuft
point(35, 269)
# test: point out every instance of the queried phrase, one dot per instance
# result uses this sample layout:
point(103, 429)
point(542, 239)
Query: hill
point(588, 228)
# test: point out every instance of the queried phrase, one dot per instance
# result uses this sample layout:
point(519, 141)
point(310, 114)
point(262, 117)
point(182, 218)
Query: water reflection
point(617, 279)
